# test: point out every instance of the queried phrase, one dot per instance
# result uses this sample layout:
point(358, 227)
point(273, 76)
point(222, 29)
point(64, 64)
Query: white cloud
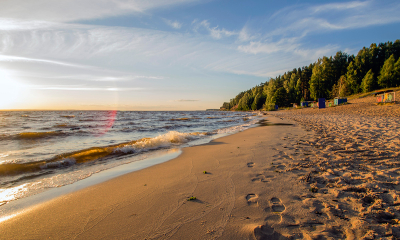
point(102, 78)
point(341, 6)
point(215, 32)
point(174, 24)
point(69, 88)
point(245, 36)
point(73, 10)
point(111, 54)
point(8, 58)
point(285, 45)
point(304, 19)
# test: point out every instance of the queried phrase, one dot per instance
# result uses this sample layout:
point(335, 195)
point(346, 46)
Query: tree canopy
point(341, 75)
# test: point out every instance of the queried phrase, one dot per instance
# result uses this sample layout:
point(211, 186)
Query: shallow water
point(46, 149)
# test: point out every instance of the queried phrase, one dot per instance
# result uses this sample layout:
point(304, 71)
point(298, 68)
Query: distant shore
point(308, 173)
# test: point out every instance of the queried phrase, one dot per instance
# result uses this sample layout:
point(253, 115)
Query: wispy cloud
point(305, 19)
point(8, 58)
point(215, 32)
point(285, 45)
point(174, 24)
point(69, 88)
point(73, 10)
point(107, 54)
point(102, 78)
point(341, 6)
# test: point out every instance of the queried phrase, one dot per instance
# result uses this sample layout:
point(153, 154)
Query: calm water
point(46, 149)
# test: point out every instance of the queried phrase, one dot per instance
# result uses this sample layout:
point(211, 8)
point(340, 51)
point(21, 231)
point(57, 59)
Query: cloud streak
point(174, 24)
point(215, 32)
point(74, 10)
point(305, 19)
point(69, 88)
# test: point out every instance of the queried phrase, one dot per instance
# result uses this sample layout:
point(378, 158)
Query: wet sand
point(243, 189)
point(333, 174)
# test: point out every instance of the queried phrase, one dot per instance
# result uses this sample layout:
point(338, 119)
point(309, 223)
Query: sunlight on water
point(10, 194)
point(2, 219)
point(48, 149)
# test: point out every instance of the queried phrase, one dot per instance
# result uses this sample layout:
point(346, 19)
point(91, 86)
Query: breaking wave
point(101, 153)
point(36, 135)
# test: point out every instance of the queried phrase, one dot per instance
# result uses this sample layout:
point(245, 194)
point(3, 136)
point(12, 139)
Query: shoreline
point(18, 206)
point(153, 201)
point(304, 174)
point(127, 162)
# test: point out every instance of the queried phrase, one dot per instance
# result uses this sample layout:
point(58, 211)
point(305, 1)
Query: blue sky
point(170, 55)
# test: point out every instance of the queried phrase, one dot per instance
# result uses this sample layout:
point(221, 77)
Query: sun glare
point(10, 90)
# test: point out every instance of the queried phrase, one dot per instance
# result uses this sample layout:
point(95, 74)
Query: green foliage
point(352, 79)
point(245, 102)
point(191, 198)
point(280, 97)
point(344, 89)
point(390, 72)
point(317, 81)
point(367, 83)
point(339, 75)
point(258, 102)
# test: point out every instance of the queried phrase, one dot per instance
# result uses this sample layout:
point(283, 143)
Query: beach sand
point(354, 167)
point(305, 174)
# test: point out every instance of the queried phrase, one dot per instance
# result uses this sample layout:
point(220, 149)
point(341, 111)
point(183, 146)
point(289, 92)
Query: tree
point(339, 75)
point(367, 83)
point(280, 97)
point(397, 73)
point(352, 79)
point(317, 81)
point(245, 102)
point(387, 74)
point(258, 102)
point(270, 101)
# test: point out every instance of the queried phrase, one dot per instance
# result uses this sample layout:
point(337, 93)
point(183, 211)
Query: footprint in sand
point(277, 208)
point(250, 164)
point(261, 178)
point(251, 199)
point(277, 205)
point(267, 232)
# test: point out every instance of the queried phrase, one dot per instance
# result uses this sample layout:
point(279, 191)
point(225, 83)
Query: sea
point(42, 150)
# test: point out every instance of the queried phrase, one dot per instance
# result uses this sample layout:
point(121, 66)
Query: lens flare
point(111, 115)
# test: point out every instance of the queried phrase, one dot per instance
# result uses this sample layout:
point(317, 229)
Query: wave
point(101, 153)
point(37, 135)
point(183, 119)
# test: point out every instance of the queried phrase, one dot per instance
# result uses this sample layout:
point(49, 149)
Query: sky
point(170, 54)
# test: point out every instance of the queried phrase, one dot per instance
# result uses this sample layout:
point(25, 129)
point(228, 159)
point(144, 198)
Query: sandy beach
point(304, 174)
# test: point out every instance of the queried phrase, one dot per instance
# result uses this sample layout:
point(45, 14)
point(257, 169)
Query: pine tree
point(397, 73)
point(367, 83)
point(387, 74)
point(352, 79)
point(317, 81)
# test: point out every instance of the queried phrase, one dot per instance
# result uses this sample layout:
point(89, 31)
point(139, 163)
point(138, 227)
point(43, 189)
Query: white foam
point(61, 163)
point(162, 141)
point(238, 128)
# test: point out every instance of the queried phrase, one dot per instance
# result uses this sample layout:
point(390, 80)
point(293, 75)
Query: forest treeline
point(341, 75)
